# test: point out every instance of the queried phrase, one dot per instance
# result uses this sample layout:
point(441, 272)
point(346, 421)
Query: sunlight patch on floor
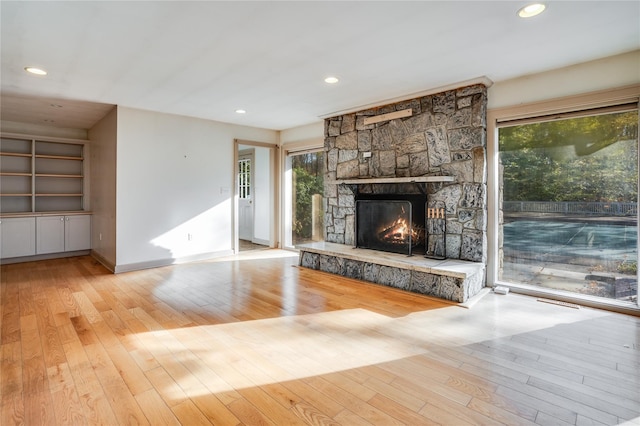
point(245, 354)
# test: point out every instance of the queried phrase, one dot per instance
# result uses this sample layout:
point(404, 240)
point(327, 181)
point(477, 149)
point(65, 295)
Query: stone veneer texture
point(445, 287)
point(446, 135)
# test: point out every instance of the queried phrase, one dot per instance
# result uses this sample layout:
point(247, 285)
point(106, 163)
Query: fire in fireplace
point(391, 222)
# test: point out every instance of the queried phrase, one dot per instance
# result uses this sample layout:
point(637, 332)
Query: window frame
point(583, 104)
point(288, 151)
point(245, 177)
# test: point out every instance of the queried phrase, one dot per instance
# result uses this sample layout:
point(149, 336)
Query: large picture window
point(568, 192)
point(303, 193)
point(307, 195)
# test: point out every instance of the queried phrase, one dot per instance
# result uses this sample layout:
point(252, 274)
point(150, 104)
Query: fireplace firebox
point(391, 222)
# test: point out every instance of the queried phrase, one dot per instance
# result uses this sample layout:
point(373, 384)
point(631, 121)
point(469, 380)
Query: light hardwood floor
point(256, 340)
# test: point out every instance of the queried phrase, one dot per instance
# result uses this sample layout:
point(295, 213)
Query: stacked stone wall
point(445, 135)
point(445, 287)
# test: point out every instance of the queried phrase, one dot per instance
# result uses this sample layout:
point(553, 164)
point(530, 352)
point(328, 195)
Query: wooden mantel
point(414, 179)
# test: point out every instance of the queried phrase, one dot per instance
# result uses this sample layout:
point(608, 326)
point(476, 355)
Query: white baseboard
point(106, 263)
point(172, 261)
point(261, 242)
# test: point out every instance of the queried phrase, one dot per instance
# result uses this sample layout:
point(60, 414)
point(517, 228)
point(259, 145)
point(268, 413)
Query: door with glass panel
point(569, 204)
point(305, 205)
point(245, 196)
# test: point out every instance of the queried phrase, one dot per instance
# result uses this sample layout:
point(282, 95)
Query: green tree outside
point(308, 179)
point(588, 159)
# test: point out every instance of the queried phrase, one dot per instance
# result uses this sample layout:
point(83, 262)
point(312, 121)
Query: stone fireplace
point(433, 146)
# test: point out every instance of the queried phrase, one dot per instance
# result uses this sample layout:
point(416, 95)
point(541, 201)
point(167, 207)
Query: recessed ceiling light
point(35, 70)
point(531, 10)
point(241, 111)
point(331, 80)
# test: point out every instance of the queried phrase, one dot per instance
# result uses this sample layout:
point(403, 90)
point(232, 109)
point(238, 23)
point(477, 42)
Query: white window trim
point(565, 105)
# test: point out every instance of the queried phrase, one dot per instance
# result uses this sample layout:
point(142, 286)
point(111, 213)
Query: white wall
point(174, 189)
point(102, 150)
point(608, 73)
point(311, 134)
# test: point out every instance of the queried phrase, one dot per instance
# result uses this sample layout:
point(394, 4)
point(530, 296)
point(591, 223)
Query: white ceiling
point(208, 58)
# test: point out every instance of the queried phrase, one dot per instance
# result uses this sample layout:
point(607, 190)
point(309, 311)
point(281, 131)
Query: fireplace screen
point(387, 225)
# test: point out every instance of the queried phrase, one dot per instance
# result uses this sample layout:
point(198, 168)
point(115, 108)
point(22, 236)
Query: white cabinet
point(17, 237)
point(42, 197)
point(77, 232)
point(56, 234)
point(50, 234)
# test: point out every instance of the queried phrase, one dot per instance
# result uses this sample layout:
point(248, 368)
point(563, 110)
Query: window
point(568, 194)
point(308, 190)
point(244, 178)
point(304, 195)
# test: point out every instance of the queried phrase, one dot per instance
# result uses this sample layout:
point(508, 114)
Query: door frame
point(274, 232)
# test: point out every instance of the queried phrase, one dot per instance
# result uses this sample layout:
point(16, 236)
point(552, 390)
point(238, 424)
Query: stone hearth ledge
point(451, 279)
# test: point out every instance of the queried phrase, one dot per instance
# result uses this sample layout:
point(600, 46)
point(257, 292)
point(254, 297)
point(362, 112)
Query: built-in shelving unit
point(58, 176)
point(42, 198)
point(41, 176)
point(16, 175)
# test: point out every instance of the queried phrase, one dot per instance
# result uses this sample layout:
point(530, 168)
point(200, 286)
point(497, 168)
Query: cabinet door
point(49, 234)
point(77, 232)
point(17, 237)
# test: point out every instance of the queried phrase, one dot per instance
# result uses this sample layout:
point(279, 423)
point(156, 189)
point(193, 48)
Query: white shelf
point(15, 174)
point(58, 195)
point(60, 157)
point(15, 154)
point(54, 175)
